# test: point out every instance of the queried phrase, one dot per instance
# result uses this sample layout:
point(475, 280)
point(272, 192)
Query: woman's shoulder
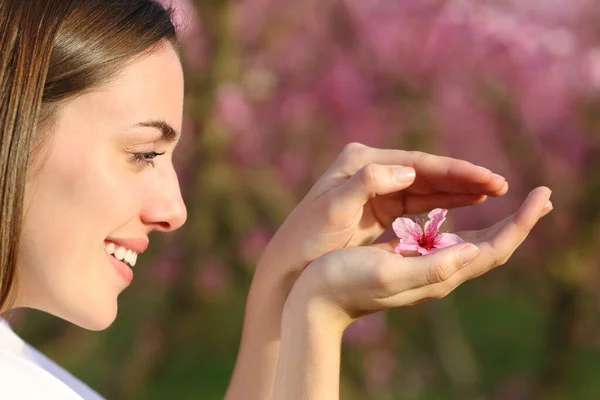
point(26, 373)
point(20, 379)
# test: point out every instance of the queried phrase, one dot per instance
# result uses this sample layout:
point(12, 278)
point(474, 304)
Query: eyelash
point(147, 157)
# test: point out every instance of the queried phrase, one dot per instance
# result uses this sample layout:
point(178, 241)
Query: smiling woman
point(111, 183)
point(79, 191)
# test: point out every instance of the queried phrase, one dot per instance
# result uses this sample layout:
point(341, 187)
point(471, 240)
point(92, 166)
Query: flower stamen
point(423, 237)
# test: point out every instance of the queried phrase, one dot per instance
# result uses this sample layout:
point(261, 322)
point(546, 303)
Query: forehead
point(148, 88)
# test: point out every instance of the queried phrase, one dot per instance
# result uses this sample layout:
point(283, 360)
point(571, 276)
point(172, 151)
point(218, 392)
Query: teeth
point(110, 248)
point(128, 256)
point(120, 253)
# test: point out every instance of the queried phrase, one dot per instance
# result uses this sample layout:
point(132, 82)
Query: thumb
point(441, 265)
point(430, 269)
point(372, 180)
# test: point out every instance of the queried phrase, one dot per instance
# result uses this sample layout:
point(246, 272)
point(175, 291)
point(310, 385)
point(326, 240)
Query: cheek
point(84, 194)
point(72, 205)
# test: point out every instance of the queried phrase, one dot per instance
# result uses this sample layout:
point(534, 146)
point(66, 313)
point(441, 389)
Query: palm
point(372, 278)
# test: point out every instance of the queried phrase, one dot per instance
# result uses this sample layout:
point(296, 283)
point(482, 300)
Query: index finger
point(434, 173)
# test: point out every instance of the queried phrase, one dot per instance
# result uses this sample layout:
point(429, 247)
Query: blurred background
point(275, 89)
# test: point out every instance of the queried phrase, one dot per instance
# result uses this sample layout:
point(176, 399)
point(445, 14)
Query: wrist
point(311, 337)
point(273, 280)
point(279, 262)
point(261, 336)
point(308, 304)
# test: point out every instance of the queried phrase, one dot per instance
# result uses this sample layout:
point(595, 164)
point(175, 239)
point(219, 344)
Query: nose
point(164, 210)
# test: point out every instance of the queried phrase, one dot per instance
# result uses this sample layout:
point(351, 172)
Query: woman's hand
point(362, 280)
point(346, 284)
point(351, 204)
point(363, 192)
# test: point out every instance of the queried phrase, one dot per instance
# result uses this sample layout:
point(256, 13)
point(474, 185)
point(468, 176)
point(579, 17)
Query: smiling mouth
point(127, 256)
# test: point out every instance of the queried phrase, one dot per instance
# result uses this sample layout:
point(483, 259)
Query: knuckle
point(438, 272)
point(368, 176)
point(353, 155)
point(381, 282)
point(353, 147)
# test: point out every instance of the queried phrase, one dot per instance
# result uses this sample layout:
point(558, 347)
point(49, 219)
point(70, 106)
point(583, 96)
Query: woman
point(91, 95)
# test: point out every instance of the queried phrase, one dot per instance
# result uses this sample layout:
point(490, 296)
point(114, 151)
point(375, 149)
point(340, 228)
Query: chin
point(97, 321)
point(96, 324)
point(94, 317)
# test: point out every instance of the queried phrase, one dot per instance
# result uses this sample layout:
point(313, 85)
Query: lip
point(122, 269)
point(139, 245)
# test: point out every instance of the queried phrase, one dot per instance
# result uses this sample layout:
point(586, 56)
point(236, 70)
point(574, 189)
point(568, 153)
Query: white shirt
point(26, 373)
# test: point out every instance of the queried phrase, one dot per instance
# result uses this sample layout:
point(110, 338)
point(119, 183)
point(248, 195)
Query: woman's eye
point(147, 157)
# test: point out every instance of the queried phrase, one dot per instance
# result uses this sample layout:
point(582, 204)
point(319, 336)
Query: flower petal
point(406, 227)
point(436, 219)
point(404, 247)
point(447, 239)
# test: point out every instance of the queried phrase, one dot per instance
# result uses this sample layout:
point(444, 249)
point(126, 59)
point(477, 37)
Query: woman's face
point(97, 192)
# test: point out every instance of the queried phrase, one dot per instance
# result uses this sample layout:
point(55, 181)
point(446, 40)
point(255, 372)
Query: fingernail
point(468, 253)
point(496, 176)
point(548, 206)
point(484, 169)
point(404, 174)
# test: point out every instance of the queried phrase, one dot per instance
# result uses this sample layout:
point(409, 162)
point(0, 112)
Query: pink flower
point(427, 239)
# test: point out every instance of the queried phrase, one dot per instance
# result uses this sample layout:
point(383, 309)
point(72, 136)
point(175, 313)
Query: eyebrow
point(168, 132)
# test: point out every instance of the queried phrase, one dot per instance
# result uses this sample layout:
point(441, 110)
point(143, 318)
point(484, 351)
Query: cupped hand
point(364, 190)
point(351, 204)
point(357, 281)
